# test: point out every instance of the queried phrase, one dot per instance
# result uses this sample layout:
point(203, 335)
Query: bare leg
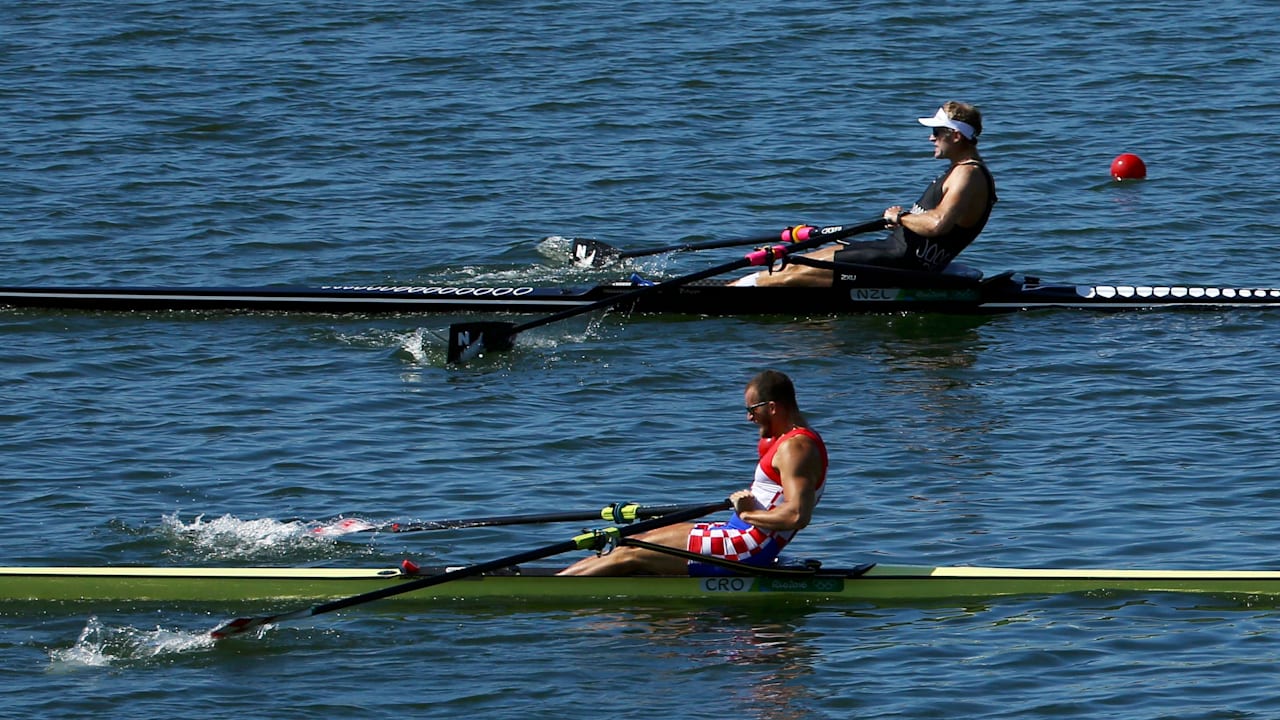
point(801, 275)
point(638, 561)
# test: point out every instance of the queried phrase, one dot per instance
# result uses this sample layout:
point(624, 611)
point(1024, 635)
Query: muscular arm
point(964, 198)
point(799, 462)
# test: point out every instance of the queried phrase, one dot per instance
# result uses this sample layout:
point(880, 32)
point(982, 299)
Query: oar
point(616, 513)
point(594, 253)
point(590, 540)
point(466, 340)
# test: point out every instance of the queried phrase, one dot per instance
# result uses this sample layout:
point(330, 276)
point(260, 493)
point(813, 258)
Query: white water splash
point(102, 646)
point(415, 345)
point(231, 538)
point(420, 347)
point(555, 247)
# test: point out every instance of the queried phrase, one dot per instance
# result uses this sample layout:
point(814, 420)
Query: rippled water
point(261, 143)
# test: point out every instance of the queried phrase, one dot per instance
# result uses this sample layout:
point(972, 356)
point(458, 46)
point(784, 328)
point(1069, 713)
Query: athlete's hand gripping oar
point(468, 339)
point(590, 540)
point(620, 512)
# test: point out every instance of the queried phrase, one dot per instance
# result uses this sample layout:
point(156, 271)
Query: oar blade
point(239, 626)
point(242, 625)
point(468, 340)
point(593, 253)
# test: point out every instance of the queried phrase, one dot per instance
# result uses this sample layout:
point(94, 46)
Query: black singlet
point(909, 251)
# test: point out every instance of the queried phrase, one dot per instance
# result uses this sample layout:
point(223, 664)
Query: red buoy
point(1128, 166)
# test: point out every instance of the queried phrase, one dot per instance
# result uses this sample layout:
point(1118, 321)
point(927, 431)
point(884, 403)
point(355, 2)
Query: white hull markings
point(436, 290)
point(1109, 292)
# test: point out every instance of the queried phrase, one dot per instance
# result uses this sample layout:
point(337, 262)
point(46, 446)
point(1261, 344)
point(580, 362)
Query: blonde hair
point(965, 113)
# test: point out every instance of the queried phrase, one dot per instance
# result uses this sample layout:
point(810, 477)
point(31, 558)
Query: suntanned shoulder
point(798, 449)
point(966, 171)
point(968, 185)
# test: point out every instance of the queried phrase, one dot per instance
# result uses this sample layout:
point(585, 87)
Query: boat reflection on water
point(760, 657)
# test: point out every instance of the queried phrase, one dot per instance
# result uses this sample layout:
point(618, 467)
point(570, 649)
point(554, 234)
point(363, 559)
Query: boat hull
point(1002, 294)
point(880, 584)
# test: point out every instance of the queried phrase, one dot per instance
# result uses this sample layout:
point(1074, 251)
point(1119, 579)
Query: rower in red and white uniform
point(788, 482)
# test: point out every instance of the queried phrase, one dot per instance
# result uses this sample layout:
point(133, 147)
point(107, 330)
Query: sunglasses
point(940, 132)
point(751, 409)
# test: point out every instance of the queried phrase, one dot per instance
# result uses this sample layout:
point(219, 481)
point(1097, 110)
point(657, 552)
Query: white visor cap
point(940, 119)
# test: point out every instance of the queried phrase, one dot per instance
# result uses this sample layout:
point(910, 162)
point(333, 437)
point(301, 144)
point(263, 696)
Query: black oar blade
point(467, 340)
point(593, 253)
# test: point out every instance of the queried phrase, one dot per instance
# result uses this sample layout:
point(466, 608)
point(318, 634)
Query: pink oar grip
point(766, 256)
point(799, 233)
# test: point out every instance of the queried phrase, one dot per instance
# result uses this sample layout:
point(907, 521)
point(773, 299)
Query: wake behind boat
point(869, 583)
point(869, 292)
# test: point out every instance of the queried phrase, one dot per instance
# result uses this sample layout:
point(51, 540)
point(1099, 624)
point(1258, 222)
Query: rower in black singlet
point(923, 239)
point(906, 250)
